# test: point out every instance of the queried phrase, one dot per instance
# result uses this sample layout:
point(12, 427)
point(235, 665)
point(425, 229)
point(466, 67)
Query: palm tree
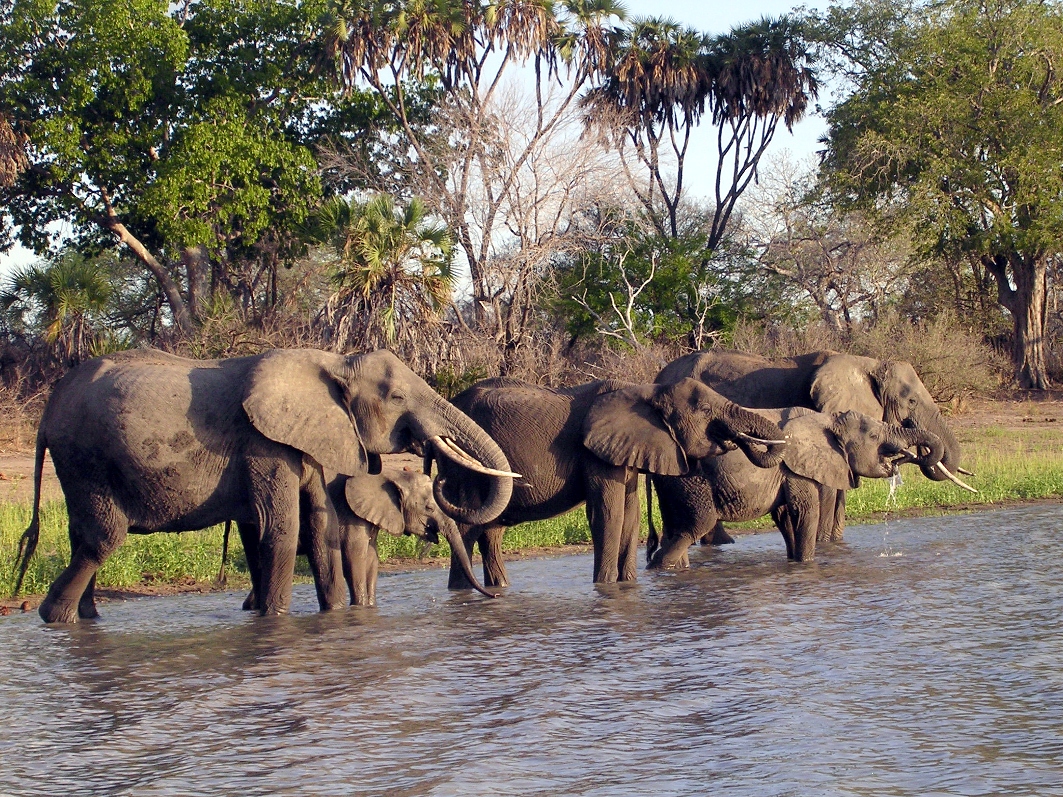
point(63, 298)
point(391, 273)
point(653, 98)
point(758, 75)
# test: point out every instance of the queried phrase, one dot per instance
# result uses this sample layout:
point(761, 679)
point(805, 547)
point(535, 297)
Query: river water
point(921, 657)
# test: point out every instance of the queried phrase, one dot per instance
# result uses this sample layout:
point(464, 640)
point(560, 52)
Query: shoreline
point(405, 565)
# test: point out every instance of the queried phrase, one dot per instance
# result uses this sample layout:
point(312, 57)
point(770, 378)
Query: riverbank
point(1013, 442)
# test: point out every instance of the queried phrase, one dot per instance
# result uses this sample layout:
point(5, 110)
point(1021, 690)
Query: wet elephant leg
point(249, 539)
point(319, 531)
point(99, 532)
point(719, 535)
point(87, 604)
point(838, 529)
point(277, 506)
point(357, 552)
point(490, 544)
point(629, 545)
point(784, 523)
point(804, 504)
point(606, 502)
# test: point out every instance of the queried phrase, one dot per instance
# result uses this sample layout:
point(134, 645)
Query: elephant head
point(665, 429)
point(402, 502)
point(890, 390)
point(344, 410)
point(836, 450)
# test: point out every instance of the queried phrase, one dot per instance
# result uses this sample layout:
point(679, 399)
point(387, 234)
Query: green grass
point(1011, 465)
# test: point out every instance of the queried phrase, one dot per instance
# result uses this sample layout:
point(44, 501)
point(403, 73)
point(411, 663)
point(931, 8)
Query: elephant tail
point(222, 579)
point(653, 540)
point(27, 544)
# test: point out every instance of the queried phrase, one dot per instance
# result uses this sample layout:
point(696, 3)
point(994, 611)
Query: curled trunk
point(760, 440)
point(478, 444)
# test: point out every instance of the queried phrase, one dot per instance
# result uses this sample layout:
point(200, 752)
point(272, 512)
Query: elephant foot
point(495, 578)
point(249, 602)
point(55, 611)
point(720, 536)
point(87, 610)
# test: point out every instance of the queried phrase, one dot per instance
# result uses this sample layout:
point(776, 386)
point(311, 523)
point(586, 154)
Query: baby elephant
point(399, 501)
point(826, 453)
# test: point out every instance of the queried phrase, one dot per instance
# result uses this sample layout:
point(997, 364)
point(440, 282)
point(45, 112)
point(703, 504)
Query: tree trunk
point(180, 312)
point(1026, 303)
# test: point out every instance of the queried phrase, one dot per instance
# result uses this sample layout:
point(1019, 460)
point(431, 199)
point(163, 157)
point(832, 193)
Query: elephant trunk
point(931, 448)
point(476, 444)
point(760, 439)
point(457, 546)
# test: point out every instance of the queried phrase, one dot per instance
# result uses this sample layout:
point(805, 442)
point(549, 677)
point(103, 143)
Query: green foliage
point(676, 287)
point(64, 300)
point(955, 133)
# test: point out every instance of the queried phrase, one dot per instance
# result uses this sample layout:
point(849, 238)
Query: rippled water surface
point(922, 657)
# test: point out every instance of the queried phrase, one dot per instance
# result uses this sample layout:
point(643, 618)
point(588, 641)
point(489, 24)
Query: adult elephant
point(144, 441)
point(826, 381)
point(825, 453)
point(588, 444)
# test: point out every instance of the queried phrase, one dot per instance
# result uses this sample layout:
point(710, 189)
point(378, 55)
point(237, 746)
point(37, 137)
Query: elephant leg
point(606, 502)
point(99, 536)
point(470, 535)
point(803, 500)
point(784, 523)
point(87, 603)
point(719, 536)
point(319, 531)
point(277, 507)
point(356, 556)
point(629, 544)
point(490, 544)
point(249, 539)
point(831, 514)
point(838, 529)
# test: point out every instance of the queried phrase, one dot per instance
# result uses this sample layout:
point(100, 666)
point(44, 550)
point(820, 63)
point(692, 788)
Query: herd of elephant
point(287, 445)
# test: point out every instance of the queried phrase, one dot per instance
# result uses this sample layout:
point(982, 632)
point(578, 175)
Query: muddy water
point(920, 658)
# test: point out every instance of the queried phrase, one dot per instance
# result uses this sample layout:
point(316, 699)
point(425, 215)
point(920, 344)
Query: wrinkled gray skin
point(825, 453)
point(397, 500)
point(825, 381)
point(144, 441)
point(588, 444)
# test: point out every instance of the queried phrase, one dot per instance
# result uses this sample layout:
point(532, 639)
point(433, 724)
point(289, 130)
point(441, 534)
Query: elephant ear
point(294, 397)
point(815, 452)
point(376, 500)
point(624, 428)
point(844, 382)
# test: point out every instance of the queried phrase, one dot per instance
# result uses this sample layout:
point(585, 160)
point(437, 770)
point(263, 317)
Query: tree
point(955, 132)
point(832, 259)
point(181, 130)
point(464, 164)
point(663, 79)
point(65, 298)
point(391, 272)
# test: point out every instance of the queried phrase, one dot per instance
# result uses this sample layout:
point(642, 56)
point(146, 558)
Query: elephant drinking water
point(144, 441)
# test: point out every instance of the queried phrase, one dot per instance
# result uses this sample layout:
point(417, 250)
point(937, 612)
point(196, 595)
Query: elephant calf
point(399, 501)
point(826, 453)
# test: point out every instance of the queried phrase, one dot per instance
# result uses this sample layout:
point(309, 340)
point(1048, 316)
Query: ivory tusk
point(750, 438)
point(451, 450)
point(954, 479)
point(964, 472)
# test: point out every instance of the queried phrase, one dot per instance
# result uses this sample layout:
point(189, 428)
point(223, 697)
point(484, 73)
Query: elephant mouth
point(893, 462)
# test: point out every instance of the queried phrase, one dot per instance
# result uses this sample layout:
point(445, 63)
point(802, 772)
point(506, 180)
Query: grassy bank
point(1012, 464)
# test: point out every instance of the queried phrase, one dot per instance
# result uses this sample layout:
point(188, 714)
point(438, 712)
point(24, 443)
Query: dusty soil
point(1013, 410)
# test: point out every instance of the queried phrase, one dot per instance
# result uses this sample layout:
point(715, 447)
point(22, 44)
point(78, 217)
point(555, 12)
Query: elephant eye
point(397, 398)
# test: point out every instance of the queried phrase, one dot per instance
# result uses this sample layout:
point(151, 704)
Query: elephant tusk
point(954, 479)
point(964, 472)
point(760, 441)
point(451, 450)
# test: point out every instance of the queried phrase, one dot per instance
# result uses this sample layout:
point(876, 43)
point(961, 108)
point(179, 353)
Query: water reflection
point(918, 658)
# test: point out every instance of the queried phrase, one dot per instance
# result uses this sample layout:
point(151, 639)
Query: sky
point(707, 16)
